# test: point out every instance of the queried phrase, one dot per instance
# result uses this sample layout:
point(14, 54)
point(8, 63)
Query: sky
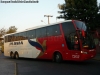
point(27, 15)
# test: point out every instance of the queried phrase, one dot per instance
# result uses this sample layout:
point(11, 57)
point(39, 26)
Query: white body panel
point(24, 50)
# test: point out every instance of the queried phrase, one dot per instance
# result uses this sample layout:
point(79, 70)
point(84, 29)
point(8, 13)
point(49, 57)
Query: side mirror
point(83, 33)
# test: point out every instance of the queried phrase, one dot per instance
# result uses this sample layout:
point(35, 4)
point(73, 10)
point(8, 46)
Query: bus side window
point(38, 33)
point(22, 35)
point(13, 38)
point(56, 30)
point(53, 30)
point(50, 31)
point(9, 38)
point(6, 38)
point(43, 32)
point(30, 34)
point(17, 37)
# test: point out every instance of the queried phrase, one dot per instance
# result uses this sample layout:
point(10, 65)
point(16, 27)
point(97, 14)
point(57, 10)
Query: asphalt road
point(44, 67)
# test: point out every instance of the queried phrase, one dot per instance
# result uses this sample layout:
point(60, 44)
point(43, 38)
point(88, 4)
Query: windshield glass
point(80, 25)
point(88, 41)
point(72, 36)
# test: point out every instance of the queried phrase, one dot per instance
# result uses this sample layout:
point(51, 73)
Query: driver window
point(70, 36)
point(72, 41)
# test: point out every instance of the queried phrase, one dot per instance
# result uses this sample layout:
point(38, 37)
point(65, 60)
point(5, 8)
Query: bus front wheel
point(57, 57)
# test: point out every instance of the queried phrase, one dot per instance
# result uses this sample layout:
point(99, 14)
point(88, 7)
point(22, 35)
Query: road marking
point(16, 69)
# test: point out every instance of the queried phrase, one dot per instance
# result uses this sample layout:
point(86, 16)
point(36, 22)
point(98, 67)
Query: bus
point(65, 40)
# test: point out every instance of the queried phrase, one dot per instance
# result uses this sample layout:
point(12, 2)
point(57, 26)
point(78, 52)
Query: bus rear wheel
point(11, 54)
point(16, 55)
point(57, 57)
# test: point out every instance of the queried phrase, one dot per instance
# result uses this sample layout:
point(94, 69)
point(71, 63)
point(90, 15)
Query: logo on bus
point(38, 46)
point(16, 43)
point(75, 56)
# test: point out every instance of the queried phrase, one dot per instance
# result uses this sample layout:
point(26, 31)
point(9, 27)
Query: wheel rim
point(12, 55)
point(16, 56)
point(57, 57)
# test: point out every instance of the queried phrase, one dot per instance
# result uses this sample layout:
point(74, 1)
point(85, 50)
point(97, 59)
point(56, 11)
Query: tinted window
point(30, 34)
point(9, 38)
point(80, 25)
point(68, 28)
point(12, 37)
point(53, 30)
point(22, 36)
point(6, 38)
point(38, 32)
point(43, 32)
point(17, 37)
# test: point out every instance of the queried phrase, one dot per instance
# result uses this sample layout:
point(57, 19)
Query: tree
point(2, 31)
point(11, 29)
point(84, 10)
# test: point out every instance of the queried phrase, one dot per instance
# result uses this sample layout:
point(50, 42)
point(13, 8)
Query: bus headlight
point(86, 46)
point(84, 52)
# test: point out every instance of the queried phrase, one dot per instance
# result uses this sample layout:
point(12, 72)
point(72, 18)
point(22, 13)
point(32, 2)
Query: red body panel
point(90, 54)
point(57, 43)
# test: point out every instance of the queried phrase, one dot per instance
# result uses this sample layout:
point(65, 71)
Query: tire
point(57, 57)
point(12, 55)
point(16, 55)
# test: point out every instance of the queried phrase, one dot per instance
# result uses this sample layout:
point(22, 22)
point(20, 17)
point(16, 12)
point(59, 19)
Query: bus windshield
point(88, 40)
point(80, 25)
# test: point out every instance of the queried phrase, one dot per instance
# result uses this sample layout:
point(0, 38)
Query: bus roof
point(40, 26)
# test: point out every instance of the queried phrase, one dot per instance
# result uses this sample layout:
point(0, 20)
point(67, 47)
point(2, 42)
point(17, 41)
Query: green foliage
point(3, 31)
point(84, 10)
point(11, 29)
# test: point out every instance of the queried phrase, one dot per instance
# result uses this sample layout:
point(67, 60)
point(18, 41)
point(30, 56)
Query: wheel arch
point(16, 55)
point(16, 52)
point(11, 52)
point(55, 52)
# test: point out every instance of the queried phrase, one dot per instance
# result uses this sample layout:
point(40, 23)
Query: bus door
point(73, 46)
point(71, 39)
